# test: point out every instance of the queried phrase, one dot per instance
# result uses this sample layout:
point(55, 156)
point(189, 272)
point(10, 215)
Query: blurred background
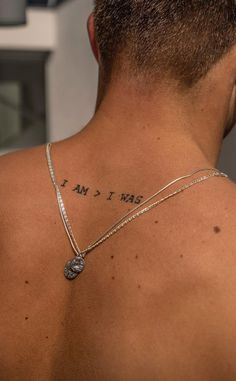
point(48, 75)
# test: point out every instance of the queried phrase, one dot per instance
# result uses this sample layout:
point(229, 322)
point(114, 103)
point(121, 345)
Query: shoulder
point(15, 164)
point(21, 175)
point(23, 166)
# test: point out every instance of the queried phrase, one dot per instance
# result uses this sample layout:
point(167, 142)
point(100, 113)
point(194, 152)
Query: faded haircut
point(152, 39)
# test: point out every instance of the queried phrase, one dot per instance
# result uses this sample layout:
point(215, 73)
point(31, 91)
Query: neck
point(163, 134)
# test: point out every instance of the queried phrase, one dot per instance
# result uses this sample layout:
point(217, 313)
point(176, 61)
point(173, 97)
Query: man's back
point(156, 301)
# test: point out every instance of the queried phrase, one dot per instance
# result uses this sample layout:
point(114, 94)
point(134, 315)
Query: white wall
point(71, 72)
point(39, 33)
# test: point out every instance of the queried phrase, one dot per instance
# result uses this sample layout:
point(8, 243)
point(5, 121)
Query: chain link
point(119, 225)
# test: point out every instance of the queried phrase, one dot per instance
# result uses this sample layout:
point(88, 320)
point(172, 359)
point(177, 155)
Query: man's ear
point(92, 36)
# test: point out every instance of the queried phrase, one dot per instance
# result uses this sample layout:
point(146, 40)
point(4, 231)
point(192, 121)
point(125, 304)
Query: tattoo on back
point(86, 191)
point(64, 183)
point(81, 190)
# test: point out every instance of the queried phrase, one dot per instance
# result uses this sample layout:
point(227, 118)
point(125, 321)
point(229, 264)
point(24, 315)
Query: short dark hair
point(152, 38)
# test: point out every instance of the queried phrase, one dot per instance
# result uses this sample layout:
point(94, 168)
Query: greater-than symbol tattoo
point(97, 194)
point(124, 197)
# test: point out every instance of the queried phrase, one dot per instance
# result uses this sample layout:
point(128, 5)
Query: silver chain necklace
point(76, 265)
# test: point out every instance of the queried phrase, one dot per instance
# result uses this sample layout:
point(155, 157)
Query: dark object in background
point(12, 12)
point(22, 99)
point(38, 2)
point(45, 3)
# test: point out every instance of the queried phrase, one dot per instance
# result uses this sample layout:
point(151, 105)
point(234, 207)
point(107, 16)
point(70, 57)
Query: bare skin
point(156, 301)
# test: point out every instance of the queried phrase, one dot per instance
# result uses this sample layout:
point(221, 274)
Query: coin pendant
point(77, 264)
point(74, 267)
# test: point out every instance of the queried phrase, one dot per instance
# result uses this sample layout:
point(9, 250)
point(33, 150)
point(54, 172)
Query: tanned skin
point(155, 302)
